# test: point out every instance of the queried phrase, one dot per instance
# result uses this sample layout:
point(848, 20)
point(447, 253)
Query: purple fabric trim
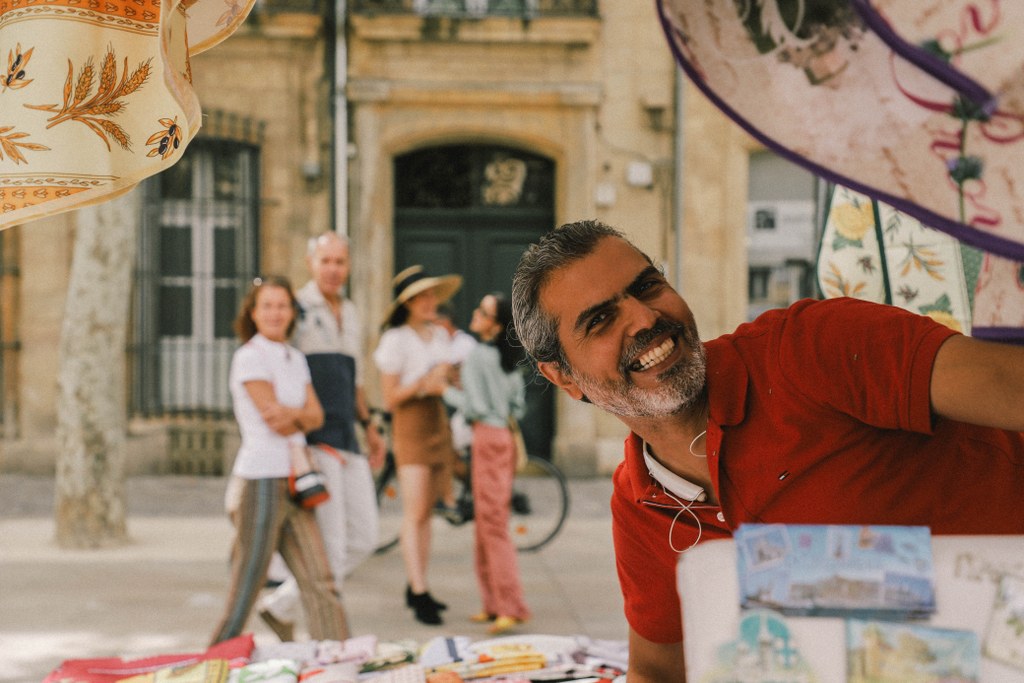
point(967, 234)
point(1008, 335)
point(924, 60)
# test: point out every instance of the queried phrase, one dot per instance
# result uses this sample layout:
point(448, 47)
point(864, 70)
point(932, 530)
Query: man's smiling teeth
point(655, 355)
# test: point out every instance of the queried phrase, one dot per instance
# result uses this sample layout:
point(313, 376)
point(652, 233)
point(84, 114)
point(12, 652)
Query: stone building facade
point(577, 102)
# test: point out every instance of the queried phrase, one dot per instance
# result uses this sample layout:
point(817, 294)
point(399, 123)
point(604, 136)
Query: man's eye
point(596, 320)
point(648, 285)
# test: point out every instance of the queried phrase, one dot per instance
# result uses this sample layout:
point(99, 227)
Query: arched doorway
point(472, 210)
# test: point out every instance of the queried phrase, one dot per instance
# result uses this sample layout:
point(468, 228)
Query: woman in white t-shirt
point(275, 406)
point(414, 358)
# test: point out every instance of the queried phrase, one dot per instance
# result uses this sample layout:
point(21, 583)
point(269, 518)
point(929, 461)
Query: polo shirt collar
point(311, 296)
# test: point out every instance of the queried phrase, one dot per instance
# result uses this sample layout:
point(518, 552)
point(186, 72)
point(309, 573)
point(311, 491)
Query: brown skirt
point(420, 434)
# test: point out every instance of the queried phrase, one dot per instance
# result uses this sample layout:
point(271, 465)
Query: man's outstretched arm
point(651, 662)
point(979, 382)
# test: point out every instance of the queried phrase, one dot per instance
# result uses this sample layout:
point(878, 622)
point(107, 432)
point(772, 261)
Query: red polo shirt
point(819, 413)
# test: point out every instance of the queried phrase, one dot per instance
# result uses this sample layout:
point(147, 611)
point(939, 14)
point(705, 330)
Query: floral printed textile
point(232, 653)
point(923, 115)
point(96, 95)
point(871, 251)
point(211, 671)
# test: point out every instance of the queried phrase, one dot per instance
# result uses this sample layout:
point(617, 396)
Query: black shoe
point(452, 514)
point(410, 598)
point(424, 607)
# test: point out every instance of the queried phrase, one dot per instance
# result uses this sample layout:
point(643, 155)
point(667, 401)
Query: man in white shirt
point(329, 332)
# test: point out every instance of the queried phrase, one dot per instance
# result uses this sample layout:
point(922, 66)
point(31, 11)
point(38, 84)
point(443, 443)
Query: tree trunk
point(91, 410)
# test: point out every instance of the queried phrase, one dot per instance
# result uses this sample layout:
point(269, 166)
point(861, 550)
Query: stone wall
point(598, 95)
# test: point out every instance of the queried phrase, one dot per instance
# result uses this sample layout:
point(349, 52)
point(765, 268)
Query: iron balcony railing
point(478, 8)
point(272, 7)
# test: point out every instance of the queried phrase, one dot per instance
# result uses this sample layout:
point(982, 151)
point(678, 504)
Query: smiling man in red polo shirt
point(837, 411)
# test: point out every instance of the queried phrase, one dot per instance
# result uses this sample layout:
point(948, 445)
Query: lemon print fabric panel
point(871, 251)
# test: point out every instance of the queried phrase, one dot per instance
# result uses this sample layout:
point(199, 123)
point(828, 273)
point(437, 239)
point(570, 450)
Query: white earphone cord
point(695, 439)
point(683, 508)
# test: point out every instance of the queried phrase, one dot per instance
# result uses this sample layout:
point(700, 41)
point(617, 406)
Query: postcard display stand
point(973, 575)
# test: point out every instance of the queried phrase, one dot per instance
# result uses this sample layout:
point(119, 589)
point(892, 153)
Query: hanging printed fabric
point(974, 47)
point(871, 251)
point(999, 300)
point(816, 82)
point(96, 95)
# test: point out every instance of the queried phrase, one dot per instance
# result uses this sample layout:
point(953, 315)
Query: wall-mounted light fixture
point(640, 174)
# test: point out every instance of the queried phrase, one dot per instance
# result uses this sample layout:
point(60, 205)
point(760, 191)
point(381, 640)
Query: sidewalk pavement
point(164, 592)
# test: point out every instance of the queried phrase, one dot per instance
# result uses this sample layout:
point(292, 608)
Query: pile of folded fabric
point(512, 659)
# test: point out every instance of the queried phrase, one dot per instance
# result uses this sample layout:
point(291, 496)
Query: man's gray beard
point(679, 388)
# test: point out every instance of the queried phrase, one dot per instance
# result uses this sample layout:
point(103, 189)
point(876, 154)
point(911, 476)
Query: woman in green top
point(492, 392)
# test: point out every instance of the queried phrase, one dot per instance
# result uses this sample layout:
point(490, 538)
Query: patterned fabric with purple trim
point(916, 104)
point(96, 95)
point(869, 250)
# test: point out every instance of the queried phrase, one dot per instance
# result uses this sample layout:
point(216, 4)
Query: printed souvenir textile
point(892, 652)
point(389, 654)
point(95, 96)
point(269, 671)
point(813, 81)
point(999, 300)
point(211, 671)
point(347, 672)
point(303, 652)
point(235, 651)
point(764, 650)
point(444, 650)
point(494, 658)
point(871, 251)
point(311, 653)
point(358, 649)
point(955, 41)
point(1004, 640)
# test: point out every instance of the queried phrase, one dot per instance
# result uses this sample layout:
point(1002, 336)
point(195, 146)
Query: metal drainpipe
point(340, 118)
point(677, 204)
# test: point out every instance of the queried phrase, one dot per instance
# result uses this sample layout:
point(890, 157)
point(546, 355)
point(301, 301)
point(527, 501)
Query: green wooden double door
point(473, 210)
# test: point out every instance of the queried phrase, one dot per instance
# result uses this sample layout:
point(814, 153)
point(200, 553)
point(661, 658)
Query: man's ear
point(561, 379)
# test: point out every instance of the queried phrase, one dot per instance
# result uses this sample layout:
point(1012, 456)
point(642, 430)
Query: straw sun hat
point(413, 280)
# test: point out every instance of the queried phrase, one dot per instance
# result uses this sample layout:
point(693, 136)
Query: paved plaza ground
point(164, 591)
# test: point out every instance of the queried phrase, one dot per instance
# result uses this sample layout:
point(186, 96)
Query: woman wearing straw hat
point(413, 357)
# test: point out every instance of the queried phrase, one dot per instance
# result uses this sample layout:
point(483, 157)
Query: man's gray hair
point(324, 238)
point(536, 329)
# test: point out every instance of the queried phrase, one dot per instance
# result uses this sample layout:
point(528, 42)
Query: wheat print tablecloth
point(96, 95)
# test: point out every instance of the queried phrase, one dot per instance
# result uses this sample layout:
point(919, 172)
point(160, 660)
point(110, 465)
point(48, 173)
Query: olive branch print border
point(12, 144)
point(17, 63)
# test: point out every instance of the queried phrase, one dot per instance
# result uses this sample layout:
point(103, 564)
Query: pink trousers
point(497, 567)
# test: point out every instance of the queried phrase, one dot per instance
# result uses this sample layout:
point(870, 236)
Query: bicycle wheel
point(389, 506)
point(540, 504)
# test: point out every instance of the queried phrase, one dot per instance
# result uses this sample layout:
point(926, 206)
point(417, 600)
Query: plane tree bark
point(89, 501)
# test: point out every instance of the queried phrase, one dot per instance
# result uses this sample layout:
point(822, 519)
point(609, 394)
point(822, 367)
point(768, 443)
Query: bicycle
point(539, 507)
